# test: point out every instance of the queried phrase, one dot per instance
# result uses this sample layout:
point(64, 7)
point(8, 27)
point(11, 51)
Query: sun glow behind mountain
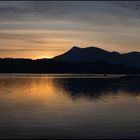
point(44, 29)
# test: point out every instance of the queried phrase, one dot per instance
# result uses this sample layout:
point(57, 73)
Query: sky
point(44, 29)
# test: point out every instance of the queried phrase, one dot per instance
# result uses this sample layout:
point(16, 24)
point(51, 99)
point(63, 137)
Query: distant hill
point(77, 60)
point(92, 54)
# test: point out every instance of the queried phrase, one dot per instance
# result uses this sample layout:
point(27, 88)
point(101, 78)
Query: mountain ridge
point(77, 60)
point(92, 54)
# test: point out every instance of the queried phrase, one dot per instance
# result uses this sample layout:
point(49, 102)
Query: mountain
point(77, 60)
point(93, 54)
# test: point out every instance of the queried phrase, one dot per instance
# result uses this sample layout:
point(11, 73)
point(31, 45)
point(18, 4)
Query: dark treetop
point(76, 60)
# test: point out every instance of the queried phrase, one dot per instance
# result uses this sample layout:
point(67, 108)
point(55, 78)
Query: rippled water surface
point(69, 106)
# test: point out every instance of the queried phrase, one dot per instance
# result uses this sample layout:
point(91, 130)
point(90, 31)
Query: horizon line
point(67, 51)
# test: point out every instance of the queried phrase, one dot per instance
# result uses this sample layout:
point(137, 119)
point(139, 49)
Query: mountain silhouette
point(77, 60)
point(92, 54)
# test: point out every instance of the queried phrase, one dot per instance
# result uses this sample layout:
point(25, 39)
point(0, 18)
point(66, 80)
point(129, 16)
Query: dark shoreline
point(51, 66)
point(81, 75)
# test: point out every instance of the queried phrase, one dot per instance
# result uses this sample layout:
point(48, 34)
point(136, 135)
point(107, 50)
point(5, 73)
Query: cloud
point(23, 37)
point(21, 50)
point(58, 25)
point(92, 12)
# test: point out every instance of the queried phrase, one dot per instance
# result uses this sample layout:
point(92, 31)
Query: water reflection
point(75, 88)
point(38, 106)
point(96, 88)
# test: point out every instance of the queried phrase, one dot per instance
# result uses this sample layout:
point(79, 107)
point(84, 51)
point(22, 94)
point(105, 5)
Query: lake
point(69, 106)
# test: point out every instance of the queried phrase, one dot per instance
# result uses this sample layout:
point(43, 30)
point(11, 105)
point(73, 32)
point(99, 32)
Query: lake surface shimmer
point(68, 106)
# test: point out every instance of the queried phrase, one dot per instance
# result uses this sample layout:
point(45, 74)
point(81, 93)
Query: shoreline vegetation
point(10, 65)
point(77, 60)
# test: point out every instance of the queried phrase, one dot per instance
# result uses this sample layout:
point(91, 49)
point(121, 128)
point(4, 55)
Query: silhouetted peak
point(133, 53)
point(117, 53)
point(95, 49)
point(87, 48)
point(93, 54)
point(75, 48)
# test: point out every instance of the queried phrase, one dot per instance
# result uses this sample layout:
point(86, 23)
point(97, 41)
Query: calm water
point(68, 106)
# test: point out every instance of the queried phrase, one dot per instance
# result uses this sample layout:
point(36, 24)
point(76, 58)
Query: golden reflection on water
point(34, 89)
point(51, 90)
point(32, 105)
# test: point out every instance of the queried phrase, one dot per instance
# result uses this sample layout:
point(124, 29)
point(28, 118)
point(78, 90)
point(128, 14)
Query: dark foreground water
point(69, 106)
